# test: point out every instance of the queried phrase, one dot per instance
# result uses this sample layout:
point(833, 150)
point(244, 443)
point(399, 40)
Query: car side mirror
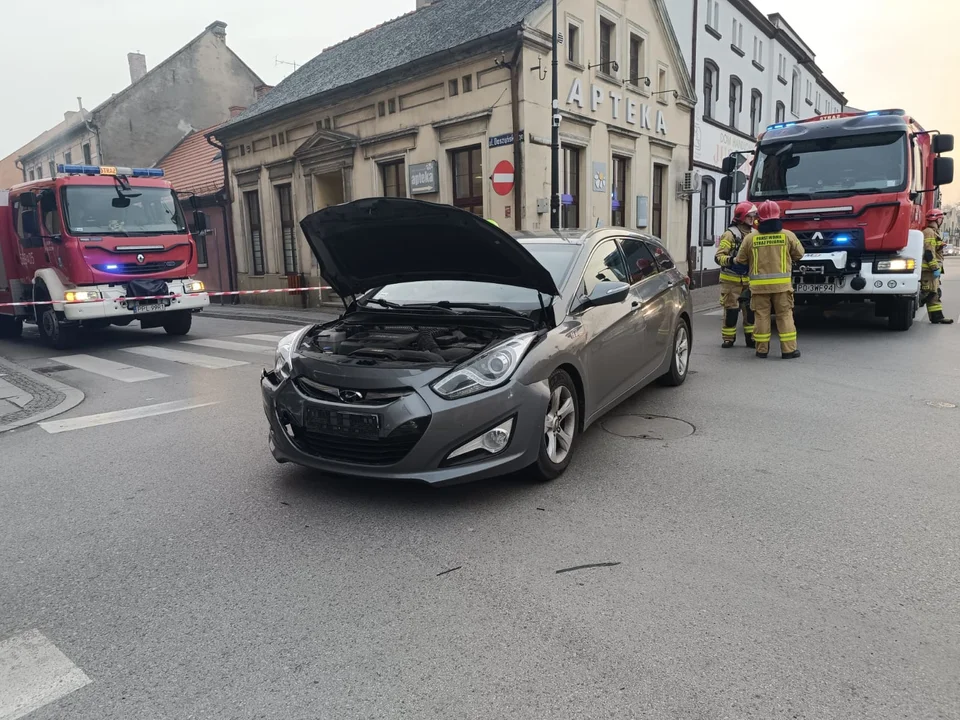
point(942, 171)
point(942, 143)
point(609, 292)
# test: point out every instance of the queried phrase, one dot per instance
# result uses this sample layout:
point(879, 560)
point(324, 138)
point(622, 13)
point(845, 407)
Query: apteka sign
point(634, 113)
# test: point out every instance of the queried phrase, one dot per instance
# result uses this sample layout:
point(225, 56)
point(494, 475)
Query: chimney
point(69, 115)
point(262, 90)
point(138, 66)
point(424, 3)
point(236, 110)
point(219, 29)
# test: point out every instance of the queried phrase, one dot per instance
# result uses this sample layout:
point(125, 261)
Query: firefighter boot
point(729, 329)
point(749, 324)
point(935, 312)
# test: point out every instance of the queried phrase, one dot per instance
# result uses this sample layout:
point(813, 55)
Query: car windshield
point(843, 165)
point(555, 257)
point(99, 210)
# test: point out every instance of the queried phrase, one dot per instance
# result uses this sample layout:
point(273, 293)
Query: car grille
point(362, 451)
point(823, 240)
point(328, 393)
point(137, 268)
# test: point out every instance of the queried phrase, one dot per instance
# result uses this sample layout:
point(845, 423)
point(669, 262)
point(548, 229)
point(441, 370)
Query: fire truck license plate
point(817, 288)
point(140, 308)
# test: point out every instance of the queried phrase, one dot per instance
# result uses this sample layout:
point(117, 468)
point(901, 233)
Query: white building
point(750, 70)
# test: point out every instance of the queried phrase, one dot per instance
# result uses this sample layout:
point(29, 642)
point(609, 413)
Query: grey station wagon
point(466, 352)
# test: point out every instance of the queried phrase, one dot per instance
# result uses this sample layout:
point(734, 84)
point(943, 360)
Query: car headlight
point(488, 370)
point(895, 265)
point(80, 295)
point(282, 362)
point(193, 286)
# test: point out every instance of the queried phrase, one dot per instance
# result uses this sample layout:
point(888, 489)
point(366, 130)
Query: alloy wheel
point(681, 350)
point(560, 424)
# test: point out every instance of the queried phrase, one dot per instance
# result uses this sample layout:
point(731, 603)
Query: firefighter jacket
point(770, 257)
point(932, 253)
point(730, 243)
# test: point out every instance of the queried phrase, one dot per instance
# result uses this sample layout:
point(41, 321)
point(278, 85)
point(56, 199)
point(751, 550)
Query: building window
point(656, 201)
point(252, 200)
point(817, 106)
point(713, 15)
point(781, 112)
point(200, 240)
point(570, 207)
point(454, 87)
point(707, 201)
point(282, 136)
point(736, 101)
point(287, 230)
point(53, 169)
point(39, 172)
point(33, 175)
point(618, 195)
point(756, 112)
point(394, 176)
point(782, 68)
point(68, 158)
point(468, 180)
point(467, 83)
point(795, 93)
point(758, 50)
point(391, 106)
point(607, 46)
point(711, 88)
point(637, 69)
point(87, 156)
point(733, 34)
point(381, 108)
point(573, 43)
point(662, 95)
point(809, 96)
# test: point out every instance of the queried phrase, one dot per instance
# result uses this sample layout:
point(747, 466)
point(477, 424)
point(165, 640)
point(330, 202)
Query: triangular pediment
point(324, 140)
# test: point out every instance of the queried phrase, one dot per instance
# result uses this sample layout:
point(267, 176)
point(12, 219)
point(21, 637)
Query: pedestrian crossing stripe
point(265, 338)
point(109, 368)
point(209, 362)
point(108, 418)
point(234, 346)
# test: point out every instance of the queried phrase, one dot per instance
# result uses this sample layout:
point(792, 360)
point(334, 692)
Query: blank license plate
point(817, 288)
point(342, 423)
point(148, 307)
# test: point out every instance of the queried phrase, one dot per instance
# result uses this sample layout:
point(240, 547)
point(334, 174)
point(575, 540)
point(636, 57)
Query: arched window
point(756, 112)
point(711, 88)
point(707, 212)
point(781, 112)
point(736, 101)
point(795, 93)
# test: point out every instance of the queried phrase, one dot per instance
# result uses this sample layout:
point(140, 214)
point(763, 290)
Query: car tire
point(180, 323)
point(10, 327)
point(553, 458)
point(679, 356)
point(53, 331)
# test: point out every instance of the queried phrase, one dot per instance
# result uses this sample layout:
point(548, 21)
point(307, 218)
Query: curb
point(68, 397)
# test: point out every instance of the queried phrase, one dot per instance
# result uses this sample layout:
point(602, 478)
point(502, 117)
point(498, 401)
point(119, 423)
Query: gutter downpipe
point(517, 149)
point(698, 255)
point(227, 218)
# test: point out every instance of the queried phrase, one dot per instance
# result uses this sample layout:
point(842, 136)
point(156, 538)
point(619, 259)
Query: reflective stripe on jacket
point(770, 257)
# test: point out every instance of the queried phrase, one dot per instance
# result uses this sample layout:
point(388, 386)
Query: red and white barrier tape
point(164, 297)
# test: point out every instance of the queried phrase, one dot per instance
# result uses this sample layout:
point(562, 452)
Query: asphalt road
point(795, 557)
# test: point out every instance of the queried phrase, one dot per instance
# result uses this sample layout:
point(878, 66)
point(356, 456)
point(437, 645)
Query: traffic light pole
point(555, 135)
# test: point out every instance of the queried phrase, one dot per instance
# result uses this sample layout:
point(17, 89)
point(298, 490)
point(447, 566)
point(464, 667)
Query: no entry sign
point(503, 177)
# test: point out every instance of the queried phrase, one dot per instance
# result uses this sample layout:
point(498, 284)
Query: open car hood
point(378, 241)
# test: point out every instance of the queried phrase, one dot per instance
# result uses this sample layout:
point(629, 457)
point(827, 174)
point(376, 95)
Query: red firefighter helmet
point(768, 210)
point(741, 211)
point(934, 215)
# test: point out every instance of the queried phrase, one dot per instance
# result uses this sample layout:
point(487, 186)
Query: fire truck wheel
point(54, 332)
point(10, 327)
point(179, 323)
point(902, 311)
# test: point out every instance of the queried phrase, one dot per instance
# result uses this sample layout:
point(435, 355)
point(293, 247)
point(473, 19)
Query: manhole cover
point(647, 427)
point(941, 404)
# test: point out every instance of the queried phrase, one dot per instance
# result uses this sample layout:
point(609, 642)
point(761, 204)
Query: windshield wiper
point(378, 301)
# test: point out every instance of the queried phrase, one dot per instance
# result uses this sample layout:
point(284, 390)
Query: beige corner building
point(450, 103)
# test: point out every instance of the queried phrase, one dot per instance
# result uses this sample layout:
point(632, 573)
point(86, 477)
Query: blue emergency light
point(841, 239)
point(109, 170)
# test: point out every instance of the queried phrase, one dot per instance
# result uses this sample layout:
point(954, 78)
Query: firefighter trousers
point(931, 296)
point(782, 304)
point(730, 294)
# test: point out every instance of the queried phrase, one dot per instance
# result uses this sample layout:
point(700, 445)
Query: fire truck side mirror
point(729, 165)
point(726, 187)
point(942, 171)
point(200, 222)
point(28, 200)
point(942, 143)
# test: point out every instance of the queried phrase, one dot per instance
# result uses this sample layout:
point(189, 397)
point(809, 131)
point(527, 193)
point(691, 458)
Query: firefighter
point(932, 268)
point(734, 278)
point(770, 251)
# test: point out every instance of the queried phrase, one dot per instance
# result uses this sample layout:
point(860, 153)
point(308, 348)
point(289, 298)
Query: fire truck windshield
point(106, 210)
point(830, 167)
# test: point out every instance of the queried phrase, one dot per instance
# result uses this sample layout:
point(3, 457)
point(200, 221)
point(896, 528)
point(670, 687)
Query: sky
point(881, 53)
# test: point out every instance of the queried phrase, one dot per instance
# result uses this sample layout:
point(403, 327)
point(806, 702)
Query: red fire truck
point(855, 188)
point(96, 246)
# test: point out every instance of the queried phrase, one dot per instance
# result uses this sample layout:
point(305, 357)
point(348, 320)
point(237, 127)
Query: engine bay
point(368, 344)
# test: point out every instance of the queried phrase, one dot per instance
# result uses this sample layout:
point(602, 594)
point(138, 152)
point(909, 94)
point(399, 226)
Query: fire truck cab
point(76, 249)
point(855, 188)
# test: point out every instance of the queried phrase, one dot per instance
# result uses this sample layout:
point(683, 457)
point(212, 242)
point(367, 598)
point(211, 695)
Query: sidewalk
point(27, 397)
point(706, 298)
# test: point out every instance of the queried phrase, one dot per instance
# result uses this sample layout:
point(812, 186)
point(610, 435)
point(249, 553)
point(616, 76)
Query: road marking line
point(714, 313)
point(265, 338)
point(109, 369)
point(34, 673)
point(115, 416)
point(209, 362)
point(236, 347)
